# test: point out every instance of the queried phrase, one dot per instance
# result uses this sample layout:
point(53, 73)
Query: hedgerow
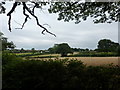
point(59, 74)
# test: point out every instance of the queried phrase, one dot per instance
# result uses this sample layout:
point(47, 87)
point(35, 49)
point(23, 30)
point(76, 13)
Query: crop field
point(98, 60)
point(94, 61)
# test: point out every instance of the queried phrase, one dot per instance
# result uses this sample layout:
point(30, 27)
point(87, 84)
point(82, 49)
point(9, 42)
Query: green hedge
point(8, 58)
point(31, 54)
point(59, 74)
point(62, 74)
point(95, 54)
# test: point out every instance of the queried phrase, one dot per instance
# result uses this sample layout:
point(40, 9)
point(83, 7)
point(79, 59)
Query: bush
point(34, 74)
point(8, 58)
point(95, 54)
point(60, 74)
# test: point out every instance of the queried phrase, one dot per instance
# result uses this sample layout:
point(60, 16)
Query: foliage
point(101, 11)
point(8, 58)
point(119, 50)
point(33, 50)
point(60, 74)
point(5, 44)
point(52, 50)
point(62, 49)
point(22, 50)
point(34, 74)
point(95, 54)
point(106, 45)
point(2, 8)
point(80, 50)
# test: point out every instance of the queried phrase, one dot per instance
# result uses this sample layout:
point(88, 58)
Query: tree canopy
point(106, 45)
point(101, 12)
point(5, 44)
point(62, 49)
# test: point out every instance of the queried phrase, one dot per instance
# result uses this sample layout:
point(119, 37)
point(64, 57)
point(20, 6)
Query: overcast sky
point(83, 35)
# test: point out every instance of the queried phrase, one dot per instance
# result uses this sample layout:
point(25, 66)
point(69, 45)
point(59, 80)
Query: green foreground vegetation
point(62, 74)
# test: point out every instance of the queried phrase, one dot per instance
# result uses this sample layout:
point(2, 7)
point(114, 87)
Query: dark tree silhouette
point(63, 49)
point(106, 45)
point(5, 44)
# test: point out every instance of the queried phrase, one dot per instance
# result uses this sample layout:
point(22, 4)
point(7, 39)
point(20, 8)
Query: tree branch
point(17, 23)
point(47, 25)
point(37, 20)
point(9, 14)
point(27, 16)
point(36, 4)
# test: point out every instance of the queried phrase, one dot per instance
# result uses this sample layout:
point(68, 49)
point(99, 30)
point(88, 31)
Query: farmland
point(94, 61)
point(90, 60)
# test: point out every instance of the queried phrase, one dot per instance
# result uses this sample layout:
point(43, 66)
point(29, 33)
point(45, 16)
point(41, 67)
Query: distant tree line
point(104, 45)
point(80, 49)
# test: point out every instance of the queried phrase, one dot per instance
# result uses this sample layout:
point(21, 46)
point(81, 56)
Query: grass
point(46, 55)
point(22, 53)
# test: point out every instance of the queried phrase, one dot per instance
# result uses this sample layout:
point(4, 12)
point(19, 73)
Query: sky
point(86, 34)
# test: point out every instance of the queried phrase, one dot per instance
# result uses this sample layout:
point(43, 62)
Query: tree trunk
point(63, 54)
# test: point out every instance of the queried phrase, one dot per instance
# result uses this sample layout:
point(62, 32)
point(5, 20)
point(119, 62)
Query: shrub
point(60, 74)
point(34, 74)
point(8, 58)
point(95, 54)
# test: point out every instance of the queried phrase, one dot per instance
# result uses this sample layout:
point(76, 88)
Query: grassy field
point(22, 53)
point(47, 55)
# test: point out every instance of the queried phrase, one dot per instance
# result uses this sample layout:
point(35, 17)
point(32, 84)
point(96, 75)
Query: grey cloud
point(82, 35)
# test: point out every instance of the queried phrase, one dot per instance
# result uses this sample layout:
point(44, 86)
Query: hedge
point(57, 74)
point(95, 54)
